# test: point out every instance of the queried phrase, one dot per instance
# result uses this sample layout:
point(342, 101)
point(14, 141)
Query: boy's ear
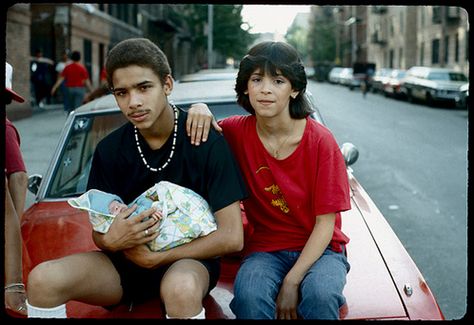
point(168, 85)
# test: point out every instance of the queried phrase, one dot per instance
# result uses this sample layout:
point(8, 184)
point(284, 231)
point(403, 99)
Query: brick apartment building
point(400, 36)
point(91, 29)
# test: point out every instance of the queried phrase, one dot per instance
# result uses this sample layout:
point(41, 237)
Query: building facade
point(91, 29)
point(398, 36)
point(405, 36)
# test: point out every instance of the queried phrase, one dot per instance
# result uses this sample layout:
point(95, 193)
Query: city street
point(412, 162)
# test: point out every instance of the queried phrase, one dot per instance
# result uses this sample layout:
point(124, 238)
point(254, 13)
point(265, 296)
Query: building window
point(467, 45)
point(401, 22)
point(435, 51)
point(456, 48)
point(400, 57)
point(87, 57)
point(446, 49)
point(436, 18)
point(422, 52)
point(391, 55)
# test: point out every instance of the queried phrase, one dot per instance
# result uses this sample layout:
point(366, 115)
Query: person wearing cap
point(16, 182)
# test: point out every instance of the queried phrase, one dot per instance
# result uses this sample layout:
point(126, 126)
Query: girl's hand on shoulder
point(199, 122)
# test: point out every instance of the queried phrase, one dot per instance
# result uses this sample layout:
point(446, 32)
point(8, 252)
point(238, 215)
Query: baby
point(115, 207)
point(183, 214)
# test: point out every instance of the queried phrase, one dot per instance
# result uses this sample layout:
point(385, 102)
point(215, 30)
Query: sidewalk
point(39, 134)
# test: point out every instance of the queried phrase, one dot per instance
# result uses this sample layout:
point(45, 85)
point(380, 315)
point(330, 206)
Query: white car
point(433, 84)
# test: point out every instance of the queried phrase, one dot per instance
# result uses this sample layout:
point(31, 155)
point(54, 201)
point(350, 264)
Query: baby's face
point(115, 207)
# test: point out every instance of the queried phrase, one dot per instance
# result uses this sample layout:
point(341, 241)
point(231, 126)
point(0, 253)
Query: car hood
point(47, 226)
point(376, 283)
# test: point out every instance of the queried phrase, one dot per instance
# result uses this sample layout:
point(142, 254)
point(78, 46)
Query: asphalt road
point(413, 163)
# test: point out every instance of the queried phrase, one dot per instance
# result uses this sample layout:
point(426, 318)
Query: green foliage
point(297, 37)
point(230, 40)
point(322, 40)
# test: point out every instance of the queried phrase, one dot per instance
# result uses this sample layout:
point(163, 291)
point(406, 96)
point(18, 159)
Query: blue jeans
point(76, 96)
point(261, 274)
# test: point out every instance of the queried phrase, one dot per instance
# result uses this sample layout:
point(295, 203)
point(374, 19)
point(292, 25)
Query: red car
point(383, 283)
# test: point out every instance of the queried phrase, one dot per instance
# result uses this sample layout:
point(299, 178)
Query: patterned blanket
point(186, 215)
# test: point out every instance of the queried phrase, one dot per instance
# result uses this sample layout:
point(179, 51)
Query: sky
point(271, 18)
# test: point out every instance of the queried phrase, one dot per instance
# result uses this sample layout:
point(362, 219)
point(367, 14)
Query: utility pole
point(210, 28)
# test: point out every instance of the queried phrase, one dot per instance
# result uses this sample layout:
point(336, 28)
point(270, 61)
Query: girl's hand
point(199, 122)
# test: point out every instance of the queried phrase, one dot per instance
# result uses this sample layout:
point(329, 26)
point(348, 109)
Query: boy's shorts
point(140, 284)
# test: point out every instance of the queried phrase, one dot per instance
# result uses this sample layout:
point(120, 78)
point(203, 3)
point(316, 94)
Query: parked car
point(394, 82)
point(462, 100)
point(380, 79)
point(209, 74)
point(432, 85)
point(383, 283)
point(346, 78)
point(334, 75)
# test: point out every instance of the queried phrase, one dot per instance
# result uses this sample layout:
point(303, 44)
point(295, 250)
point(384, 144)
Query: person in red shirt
point(77, 81)
point(295, 264)
point(16, 182)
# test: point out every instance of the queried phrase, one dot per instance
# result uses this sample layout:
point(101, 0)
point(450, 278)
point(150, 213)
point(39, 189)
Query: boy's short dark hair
point(137, 51)
point(271, 57)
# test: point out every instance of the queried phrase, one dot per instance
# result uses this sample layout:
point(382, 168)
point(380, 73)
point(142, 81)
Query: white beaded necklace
point(175, 133)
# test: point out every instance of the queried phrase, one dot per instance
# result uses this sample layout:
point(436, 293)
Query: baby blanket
point(186, 215)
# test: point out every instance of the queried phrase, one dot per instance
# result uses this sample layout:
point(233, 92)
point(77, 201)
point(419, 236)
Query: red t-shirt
point(285, 196)
point(103, 74)
point(75, 75)
point(13, 158)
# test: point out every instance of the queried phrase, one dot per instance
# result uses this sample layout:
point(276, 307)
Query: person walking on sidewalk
point(59, 69)
point(77, 80)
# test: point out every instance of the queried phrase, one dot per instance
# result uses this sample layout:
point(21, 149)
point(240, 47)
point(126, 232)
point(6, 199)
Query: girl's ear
point(294, 94)
point(246, 92)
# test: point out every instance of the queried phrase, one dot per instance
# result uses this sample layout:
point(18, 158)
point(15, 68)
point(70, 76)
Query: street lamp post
point(352, 23)
point(210, 24)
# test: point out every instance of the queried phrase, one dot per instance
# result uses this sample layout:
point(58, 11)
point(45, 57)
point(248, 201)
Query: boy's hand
point(127, 232)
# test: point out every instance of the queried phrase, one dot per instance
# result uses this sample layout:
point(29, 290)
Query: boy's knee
point(184, 289)
point(38, 281)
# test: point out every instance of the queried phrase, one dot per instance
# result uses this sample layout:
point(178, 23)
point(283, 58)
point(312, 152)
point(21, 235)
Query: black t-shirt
point(208, 169)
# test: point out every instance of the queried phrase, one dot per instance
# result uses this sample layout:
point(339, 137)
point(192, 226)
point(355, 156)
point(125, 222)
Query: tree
point(321, 37)
point(230, 40)
point(297, 36)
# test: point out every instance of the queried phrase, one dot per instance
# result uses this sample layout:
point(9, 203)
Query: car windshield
point(72, 168)
point(448, 76)
point(71, 172)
